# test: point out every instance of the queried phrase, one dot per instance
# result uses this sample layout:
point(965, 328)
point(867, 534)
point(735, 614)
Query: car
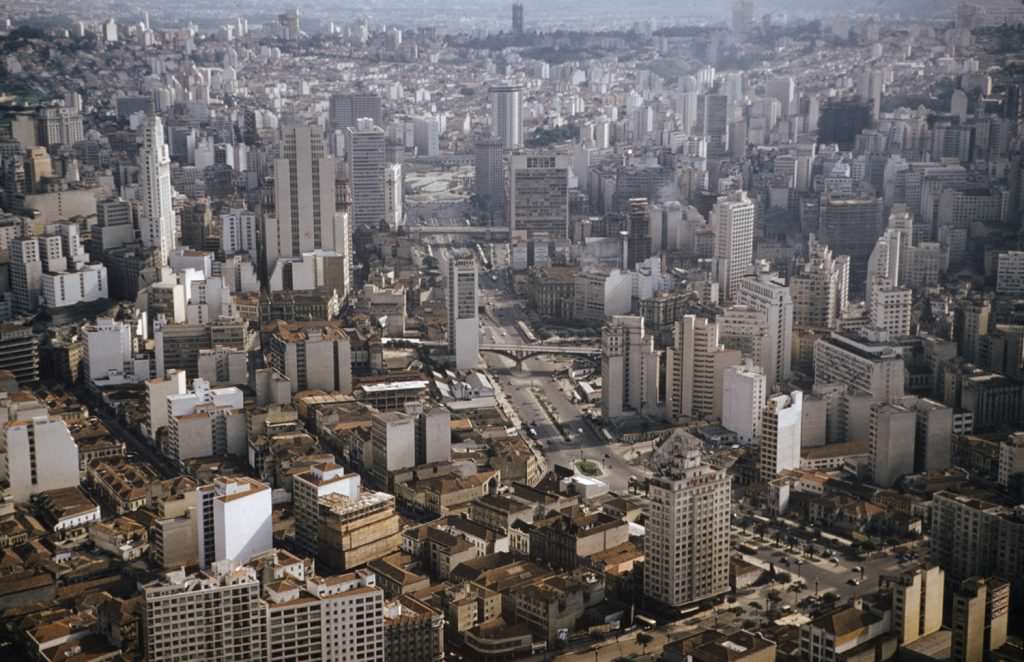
point(857, 568)
point(853, 581)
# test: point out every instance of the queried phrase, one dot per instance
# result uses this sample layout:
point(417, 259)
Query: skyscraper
point(780, 434)
point(305, 216)
point(732, 219)
point(821, 290)
point(394, 207)
point(156, 213)
point(850, 225)
point(713, 116)
point(463, 311)
point(346, 109)
point(768, 294)
point(687, 540)
point(517, 18)
point(638, 220)
point(490, 176)
point(366, 165)
point(742, 16)
point(695, 369)
point(539, 193)
point(743, 397)
point(507, 115)
point(629, 367)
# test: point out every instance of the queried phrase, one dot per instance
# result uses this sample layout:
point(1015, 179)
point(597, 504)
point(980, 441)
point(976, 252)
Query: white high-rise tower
point(463, 311)
point(156, 216)
point(732, 219)
point(507, 115)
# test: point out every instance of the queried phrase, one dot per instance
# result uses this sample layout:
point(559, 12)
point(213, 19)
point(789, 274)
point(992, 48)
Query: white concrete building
point(206, 421)
point(68, 288)
point(393, 439)
point(224, 366)
point(157, 223)
point(629, 368)
point(157, 391)
point(821, 290)
point(108, 351)
point(891, 309)
point(860, 364)
point(367, 165)
point(1011, 458)
point(780, 434)
point(463, 311)
point(743, 400)
point(507, 115)
point(696, 366)
point(769, 294)
point(538, 193)
point(732, 219)
point(41, 456)
point(238, 232)
point(394, 196)
point(307, 488)
point(312, 355)
point(242, 521)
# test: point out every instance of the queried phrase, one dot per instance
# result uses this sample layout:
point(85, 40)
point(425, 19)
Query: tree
point(643, 639)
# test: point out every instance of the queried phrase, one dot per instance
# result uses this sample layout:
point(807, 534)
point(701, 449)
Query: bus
point(645, 622)
point(525, 332)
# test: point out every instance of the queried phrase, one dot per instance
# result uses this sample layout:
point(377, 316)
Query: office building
point(840, 121)
point(58, 125)
point(355, 531)
point(507, 115)
point(463, 311)
point(860, 364)
point(157, 221)
point(1010, 273)
point(713, 123)
point(26, 274)
point(489, 177)
point(850, 225)
point(891, 432)
point(1011, 458)
point(820, 291)
point(981, 609)
point(413, 630)
point(517, 18)
point(393, 440)
point(242, 522)
point(638, 228)
point(743, 400)
point(687, 530)
point(629, 368)
point(539, 194)
point(238, 229)
point(366, 164)
point(209, 616)
point(780, 434)
point(971, 323)
point(305, 218)
point(433, 436)
point(312, 355)
point(884, 264)
point(768, 294)
point(346, 109)
point(307, 489)
point(40, 456)
point(742, 17)
point(891, 309)
point(695, 369)
point(933, 438)
point(204, 422)
point(732, 219)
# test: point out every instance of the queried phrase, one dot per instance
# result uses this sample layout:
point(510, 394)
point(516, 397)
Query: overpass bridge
point(517, 352)
point(463, 230)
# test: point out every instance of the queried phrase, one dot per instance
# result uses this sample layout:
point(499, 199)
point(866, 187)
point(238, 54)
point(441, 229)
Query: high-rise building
point(539, 194)
point(742, 16)
point(768, 294)
point(463, 311)
point(393, 439)
point(213, 616)
point(40, 456)
point(204, 422)
point(981, 609)
point(820, 292)
point(367, 163)
point(305, 217)
point(489, 177)
point(517, 18)
point(732, 219)
point(242, 522)
point(507, 115)
point(970, 324)
point(892, 310)
point(840, 122)
point(860, 364)
point(917, 598)
point(238, 233)
point(307, 488)
point(780, 434)
point(346, 109)
point(713, 119)
point(891, 432)
point(638, 223)
point(156, 211)
point(696, 366)
point(850, 225)
point(58, 125)
point(743, 398)
point(687, 541)
point(394, 196)
point(629, 367)
point(26, 273)
point(312, 355)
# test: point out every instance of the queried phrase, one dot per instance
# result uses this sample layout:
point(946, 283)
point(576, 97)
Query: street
point(537, 380)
